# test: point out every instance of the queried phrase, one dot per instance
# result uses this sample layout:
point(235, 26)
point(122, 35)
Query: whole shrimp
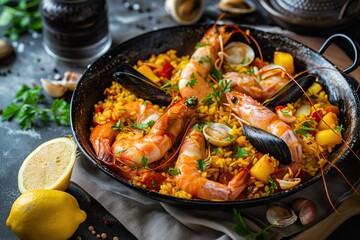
point(194, 76)
point(153, 146)
point(190, 179)
point(262, 84)
point(257, 115)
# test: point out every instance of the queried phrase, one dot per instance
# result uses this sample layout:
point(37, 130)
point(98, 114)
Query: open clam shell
point(288, 183)
point(185, 11)
point(239, 54)
point(218, 134)
point(280, 214)
point(236, 6)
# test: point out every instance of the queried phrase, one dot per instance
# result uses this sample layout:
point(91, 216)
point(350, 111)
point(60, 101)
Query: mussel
point(141, 86)
point(280, 214)
point(218, 134)
point(290, 91)
point(268, 143)
point(239, 54)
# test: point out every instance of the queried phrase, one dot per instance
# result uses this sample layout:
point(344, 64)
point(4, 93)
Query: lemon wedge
point(49, 166)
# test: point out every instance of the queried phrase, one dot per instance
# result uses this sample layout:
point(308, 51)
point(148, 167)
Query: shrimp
point(193, 78)
point(162, 136)
point(264, 83)
point(190, 179)
point(257, 115)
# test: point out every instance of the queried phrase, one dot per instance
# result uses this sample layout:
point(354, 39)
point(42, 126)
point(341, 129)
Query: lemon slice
point(49, 166)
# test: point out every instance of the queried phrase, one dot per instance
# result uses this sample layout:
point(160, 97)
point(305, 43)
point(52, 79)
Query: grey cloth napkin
point(146, 218)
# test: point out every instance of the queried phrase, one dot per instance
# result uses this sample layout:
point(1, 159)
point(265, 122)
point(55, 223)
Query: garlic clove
point(305, 209)
point(53, 88)
point(71, 80)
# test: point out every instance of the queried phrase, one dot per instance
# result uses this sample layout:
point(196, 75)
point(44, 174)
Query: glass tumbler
point(75, 30)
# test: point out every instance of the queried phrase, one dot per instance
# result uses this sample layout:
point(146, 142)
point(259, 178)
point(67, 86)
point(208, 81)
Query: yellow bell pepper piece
point(147, 72)
point(262, 169)
point(330, 119)
point(328, 137)
point(285, 60)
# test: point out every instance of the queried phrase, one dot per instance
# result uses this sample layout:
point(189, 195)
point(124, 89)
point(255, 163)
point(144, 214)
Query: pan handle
point(353, 44)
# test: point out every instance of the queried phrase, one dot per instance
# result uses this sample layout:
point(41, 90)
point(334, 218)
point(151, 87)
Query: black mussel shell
point(290, 91)
point(268, 143)
point(141, 86)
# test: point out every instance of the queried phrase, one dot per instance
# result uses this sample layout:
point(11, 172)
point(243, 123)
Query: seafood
point(153, 146)
point(218, 134)
point(190, 178)
point(142, 87)
point(280, 214)
point(262, 84)
point(254, 154)
point(239, 54)
point(194, 77)
point(251, 111)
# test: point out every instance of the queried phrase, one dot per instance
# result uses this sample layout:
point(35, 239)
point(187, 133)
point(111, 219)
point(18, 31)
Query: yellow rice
point(222, 158)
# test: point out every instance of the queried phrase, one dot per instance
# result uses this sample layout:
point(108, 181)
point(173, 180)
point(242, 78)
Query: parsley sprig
point(25, 109)
point(218, 93)
point(19, 18)
point(244, 231)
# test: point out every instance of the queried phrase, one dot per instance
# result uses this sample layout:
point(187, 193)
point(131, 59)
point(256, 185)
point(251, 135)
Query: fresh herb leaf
point(244, 231)
point(27, 111)
point(192, 81)
point(153, 182)
point(117, 126)
point(143, 126)
point(144, 162)
point(273, 185)
point(228, 139)
point(241, 152)
point(224, 86)
point(215, 73)
point(61, 112)
point(120, 150)
point(201, 165)
point(304, 130)
point(338, 128)
point(174, 171)
point(216, 151)
point(166, 85)
point(20, 18)
point(199, 45)
point(286, 112)
point(203, 60)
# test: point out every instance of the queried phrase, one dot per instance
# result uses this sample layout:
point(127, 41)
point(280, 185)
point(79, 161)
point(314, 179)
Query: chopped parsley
point(204, 60)
point(121, 149)
point(272, 186)
point(117, 126)
point(174, 171)
point(286, 112)
point(241, 152)
point(143, 126)
point(199, 45)
point(304, 130)
point(216, 151)
point(144, 162)
point(338, 128)
point(201, 165)
point(224, 86)
point(192, 81)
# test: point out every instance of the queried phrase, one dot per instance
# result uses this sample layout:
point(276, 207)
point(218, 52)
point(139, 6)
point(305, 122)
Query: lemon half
point(49, 166)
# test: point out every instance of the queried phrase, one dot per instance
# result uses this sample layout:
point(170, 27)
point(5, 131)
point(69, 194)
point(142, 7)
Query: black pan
point(183, 38)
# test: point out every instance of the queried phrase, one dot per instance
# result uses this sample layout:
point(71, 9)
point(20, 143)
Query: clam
point(236, 6)
point(305, 209)
point(58, 88)
point(280, 214)
point(5, 49)
point(141, 86)
point(218, 134)
point(239, 54)
point(185, 11)
point(268, 143)
point(288, 183)
point(290, 91)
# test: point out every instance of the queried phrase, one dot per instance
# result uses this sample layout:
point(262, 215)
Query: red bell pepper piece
point(166, 71)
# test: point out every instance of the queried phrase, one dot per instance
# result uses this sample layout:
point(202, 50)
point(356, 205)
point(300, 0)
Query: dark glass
point(75, 30)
